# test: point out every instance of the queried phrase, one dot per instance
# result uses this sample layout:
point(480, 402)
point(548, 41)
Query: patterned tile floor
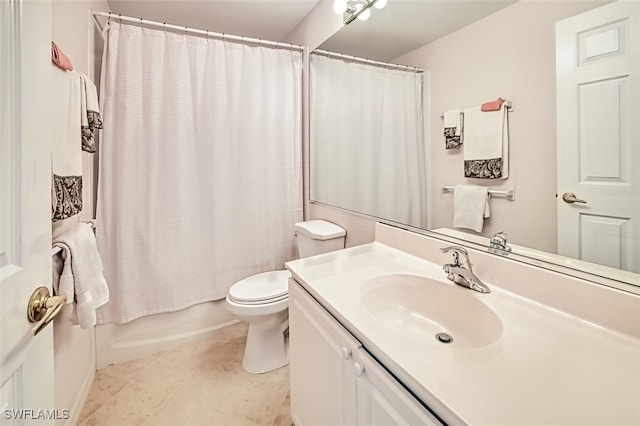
point(201, 383)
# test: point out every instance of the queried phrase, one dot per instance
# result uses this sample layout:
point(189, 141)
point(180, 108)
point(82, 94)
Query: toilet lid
point(263, 287)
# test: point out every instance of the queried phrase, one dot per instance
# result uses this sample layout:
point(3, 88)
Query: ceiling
point(402, 26)
point(266, 19)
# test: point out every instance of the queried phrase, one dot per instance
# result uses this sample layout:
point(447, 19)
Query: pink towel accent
point(59, 58)
point(493, 105)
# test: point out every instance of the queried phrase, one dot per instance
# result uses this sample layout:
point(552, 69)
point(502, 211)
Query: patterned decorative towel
point(66, 153)
point(90, 113)
point(452, 129)
point(486, 147)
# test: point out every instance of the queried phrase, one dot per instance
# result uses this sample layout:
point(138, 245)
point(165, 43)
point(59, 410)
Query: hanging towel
point(89, 113)
point(452, 128)
point(59, 58)
point(81, 279)
point(66, 153)
point(486, 147)
point(470, 206)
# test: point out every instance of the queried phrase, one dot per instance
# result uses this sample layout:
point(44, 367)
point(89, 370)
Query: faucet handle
point(457, 251)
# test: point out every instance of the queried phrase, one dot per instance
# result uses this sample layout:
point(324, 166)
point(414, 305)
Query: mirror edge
point(528, 260)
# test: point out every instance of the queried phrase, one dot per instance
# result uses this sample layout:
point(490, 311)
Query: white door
point(26, 369)
point(598, 107)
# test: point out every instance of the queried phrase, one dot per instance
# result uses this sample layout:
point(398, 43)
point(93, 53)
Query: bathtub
point(116, 343)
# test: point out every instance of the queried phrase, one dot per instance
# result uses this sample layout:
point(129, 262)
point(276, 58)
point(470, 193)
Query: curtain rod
point(366, 61)
point(195, 31)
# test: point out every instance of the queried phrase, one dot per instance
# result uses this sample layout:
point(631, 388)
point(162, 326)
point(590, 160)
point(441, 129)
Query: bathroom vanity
point(378, 335)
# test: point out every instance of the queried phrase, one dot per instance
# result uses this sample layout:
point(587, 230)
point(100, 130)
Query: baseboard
point(81, 398)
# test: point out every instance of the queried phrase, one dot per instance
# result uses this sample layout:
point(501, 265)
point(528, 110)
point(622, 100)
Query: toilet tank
point(317, 237)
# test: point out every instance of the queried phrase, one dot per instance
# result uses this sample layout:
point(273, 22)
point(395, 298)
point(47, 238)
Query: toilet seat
point(266, 287)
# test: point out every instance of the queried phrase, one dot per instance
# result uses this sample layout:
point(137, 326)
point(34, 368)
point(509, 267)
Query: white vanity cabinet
point(334, 381)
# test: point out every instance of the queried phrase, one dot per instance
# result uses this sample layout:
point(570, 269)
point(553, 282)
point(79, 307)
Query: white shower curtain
point(200, 167)
point(367, 139)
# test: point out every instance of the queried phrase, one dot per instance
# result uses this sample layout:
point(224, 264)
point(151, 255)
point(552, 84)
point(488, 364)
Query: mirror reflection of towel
point(486, 145)
point(470, 206)
point(452, 129)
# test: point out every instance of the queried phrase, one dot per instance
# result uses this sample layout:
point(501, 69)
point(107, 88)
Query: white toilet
point(262, 299)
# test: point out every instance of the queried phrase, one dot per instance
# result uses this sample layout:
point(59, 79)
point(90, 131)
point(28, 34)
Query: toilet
point(262, 300)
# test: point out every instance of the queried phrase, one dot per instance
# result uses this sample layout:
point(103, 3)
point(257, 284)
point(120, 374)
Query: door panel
point(600, 120)
point(603, 240)
point(598, 99)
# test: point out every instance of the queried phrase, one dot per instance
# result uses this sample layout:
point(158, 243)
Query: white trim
point(81, 397)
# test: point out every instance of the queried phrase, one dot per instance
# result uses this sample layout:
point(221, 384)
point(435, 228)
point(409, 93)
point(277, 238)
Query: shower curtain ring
point(120, 18)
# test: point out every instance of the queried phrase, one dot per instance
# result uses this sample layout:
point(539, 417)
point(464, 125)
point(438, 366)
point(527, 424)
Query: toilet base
point(266, 348)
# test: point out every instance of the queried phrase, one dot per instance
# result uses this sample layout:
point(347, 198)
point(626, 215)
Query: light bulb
point(340, 6)
point(380, 4)
point(364, 15)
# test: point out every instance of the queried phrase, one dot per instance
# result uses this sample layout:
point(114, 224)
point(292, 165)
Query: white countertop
point(547, 367)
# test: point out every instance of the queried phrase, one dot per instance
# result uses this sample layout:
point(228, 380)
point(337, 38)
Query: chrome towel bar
point(509, 194)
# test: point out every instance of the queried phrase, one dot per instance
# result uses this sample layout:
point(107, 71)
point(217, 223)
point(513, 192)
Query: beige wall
point(510, 54)
point(74, 360)
point(319, 24)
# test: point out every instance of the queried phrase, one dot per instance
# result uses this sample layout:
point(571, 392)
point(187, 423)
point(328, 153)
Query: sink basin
point(416, 306)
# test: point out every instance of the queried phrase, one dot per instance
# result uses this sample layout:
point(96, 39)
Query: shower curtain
point(367, 139)
point(200, 167)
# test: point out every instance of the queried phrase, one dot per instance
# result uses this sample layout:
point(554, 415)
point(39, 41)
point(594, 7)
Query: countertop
point(546, 367)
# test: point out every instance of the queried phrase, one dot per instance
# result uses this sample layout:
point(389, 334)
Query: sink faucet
point(498, 244)
point(460, 271)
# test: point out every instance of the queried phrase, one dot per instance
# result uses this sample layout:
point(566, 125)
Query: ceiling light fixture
point(352, 9)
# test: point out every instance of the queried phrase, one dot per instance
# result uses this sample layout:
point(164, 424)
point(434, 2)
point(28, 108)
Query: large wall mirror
point(476, 51)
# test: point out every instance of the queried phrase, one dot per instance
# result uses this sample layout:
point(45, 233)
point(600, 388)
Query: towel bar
point(56, 250)
point(508, 104)
point(509, 194)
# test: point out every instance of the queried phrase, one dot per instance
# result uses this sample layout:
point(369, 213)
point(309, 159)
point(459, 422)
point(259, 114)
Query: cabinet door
point(383, 401)
point(322, 376)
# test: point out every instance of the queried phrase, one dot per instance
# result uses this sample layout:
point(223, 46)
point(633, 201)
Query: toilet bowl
point(262, 300)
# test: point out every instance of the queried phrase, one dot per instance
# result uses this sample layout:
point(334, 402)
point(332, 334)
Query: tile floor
point(201, 383)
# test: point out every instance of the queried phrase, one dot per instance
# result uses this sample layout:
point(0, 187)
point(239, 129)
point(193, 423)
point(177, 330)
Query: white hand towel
point(66, 152)
point(470, 206)
point(486, 143)
point(452, 128)
point(81, 279)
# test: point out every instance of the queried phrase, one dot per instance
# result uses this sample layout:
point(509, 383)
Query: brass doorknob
point(570, 197)
point(43, 307)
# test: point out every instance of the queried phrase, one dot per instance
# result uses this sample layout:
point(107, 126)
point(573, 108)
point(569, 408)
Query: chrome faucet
point(460, 271)
point(498, 244)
